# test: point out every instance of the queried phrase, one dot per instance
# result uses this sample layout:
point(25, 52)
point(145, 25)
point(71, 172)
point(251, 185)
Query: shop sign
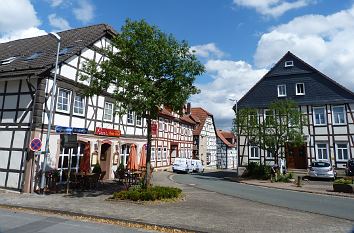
point(107, 132)
point(68, 140)
point(70, 130)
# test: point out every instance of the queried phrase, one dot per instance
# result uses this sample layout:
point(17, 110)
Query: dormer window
point(300, 89)
point(281, 90)
point(289, 63)
point(7, 60)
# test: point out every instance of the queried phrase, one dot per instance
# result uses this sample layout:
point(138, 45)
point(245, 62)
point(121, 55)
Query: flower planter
point(343, 188)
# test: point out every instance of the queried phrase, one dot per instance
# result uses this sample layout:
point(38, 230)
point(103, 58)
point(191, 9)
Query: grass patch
point(149, 194)
point(343, 181)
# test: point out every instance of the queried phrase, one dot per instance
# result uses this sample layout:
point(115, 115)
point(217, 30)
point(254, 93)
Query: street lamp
point(235, 110)
point(50, 114)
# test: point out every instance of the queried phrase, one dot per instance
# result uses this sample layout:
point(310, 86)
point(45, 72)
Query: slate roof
point(46, 47)
point(319, 89)
point(201, 115)
point(224, 135)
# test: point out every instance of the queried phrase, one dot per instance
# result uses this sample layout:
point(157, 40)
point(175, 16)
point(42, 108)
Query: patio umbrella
point(85, 163)
point(142, 162)
point(132, 163)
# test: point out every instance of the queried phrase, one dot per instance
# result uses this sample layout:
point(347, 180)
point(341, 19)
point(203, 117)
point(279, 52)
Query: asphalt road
point(339, 207)
point(17, 222)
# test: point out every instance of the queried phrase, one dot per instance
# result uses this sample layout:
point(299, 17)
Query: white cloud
point(274, 8)
point(325, 42)
point(55, 3)
point(207, 50)
point(231, 80)
point(84, 12)
point(18, 20)
point(58, 22)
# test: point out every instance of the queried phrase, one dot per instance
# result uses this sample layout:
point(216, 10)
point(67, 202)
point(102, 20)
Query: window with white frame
point(79, 105)
point(108, 111)
point(268, 115)
point(153, 154)
point(159, 154)
point(300, 89)
point(63, 100)
point(289, 64)
point(138, 120)
point(281, 90)
point(320, 116)
point(342, 151)
point(338, 115)
point(164, 155)
point(254, 152)
point(161, 124)
point(130, 117)
point(269, 154)
point(322, 151)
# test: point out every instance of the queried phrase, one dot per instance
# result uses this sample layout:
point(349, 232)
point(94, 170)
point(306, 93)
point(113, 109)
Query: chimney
point(188, 108)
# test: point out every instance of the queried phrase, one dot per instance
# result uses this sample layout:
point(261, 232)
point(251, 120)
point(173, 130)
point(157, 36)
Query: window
point(108, 111)
point(164, 155)
point(159, 154)
point(338, 115)
point(153, 154)
point(124, 155)
point(300, 89)
point(254, 152)
point(161, 124)
point(79, 105)
point(268, 116)
point(138, 120)
point(289, 63)
point(342, 151)
point(281, 90)
point(322, 151)
point(130, 117)
point(269, 154)
point(63, 100)
point(320, 116)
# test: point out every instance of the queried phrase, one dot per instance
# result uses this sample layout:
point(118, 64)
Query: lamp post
point(235, 110)
point(50, 114)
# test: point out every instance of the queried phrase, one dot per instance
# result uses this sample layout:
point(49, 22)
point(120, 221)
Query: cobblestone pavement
point(200, 210)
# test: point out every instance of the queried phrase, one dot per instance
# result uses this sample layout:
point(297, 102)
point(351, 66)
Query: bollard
point(298, 184)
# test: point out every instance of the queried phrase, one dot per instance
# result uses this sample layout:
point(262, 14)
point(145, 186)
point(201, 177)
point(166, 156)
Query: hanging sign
point(35, 144)
point(68, 140)
point(70, 130)
point(107, 132)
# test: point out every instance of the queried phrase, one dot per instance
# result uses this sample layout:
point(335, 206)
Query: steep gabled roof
point(46, 47)
point(201, 115)
point(224, 135)
point(319, 88)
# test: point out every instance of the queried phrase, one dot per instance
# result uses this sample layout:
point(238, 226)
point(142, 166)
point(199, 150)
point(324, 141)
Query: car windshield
point(320, 164)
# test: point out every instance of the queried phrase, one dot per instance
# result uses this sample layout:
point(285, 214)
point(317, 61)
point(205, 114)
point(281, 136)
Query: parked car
point(349, 168)
point(182, 165)
point(321, 169)
point(197, 165)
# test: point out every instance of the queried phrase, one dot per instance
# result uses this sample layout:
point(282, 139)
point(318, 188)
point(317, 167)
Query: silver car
point(321, 169)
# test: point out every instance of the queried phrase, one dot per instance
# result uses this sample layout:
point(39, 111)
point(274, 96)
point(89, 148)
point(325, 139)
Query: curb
point(102, 219)
point(295, 190)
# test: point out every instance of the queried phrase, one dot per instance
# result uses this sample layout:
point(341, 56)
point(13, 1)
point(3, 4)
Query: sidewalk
point(200, 211)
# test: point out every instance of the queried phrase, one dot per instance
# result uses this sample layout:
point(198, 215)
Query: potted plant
point(97, 169)
point(343, 185)
point(121, 171)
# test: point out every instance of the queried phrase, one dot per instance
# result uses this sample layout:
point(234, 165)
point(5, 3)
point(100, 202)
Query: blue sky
point(237, 40)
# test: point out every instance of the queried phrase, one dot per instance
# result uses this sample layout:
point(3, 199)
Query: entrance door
point(173, 153)
point(296, 157)
point(105, 159)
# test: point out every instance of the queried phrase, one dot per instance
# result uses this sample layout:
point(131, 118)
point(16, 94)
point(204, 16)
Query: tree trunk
point(148, 154)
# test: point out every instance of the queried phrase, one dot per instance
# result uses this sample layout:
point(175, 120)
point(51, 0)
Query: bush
point(149, 194)
point(343, 181)
point(96, 168)
point(285, 178)
point(258, 171)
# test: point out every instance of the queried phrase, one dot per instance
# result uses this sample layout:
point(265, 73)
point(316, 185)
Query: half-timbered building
point(326, 106)
point(226, 157)
point(204, 137)
point(172, 137)
point(26, 78)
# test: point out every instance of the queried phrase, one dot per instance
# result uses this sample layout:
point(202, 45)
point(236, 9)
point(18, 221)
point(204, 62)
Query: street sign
point(70, 130)
point(35, 144)
point(68, 140)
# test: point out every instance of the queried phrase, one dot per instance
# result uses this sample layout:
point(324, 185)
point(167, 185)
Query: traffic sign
point(35, 144)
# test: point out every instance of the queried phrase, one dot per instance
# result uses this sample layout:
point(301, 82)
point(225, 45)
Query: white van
point(197, 165)
point(182, 165)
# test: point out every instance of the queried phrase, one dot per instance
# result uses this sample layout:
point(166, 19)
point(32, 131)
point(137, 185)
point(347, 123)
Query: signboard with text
point(107, 132)
point(68, 140)
point(70, 130)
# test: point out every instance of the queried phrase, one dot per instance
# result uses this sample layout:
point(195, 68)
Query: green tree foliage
point(282, 124)
point(147, 69)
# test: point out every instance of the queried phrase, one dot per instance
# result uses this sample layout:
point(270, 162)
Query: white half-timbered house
point(326, 106)
point(204, 137)
point(226, 157)
point(26, 78)
point(172, 137)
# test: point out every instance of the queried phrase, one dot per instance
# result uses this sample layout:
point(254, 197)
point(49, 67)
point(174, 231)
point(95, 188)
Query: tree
point(146, 69)
point(281, 126)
